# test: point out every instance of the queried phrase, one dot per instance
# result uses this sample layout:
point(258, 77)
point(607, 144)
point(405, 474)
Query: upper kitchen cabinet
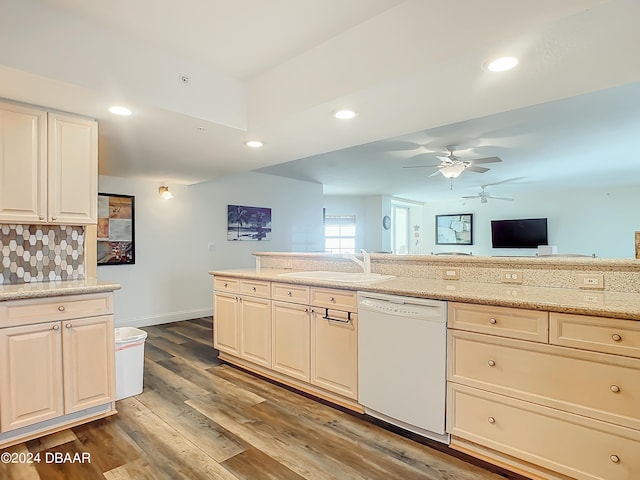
point(49, 164)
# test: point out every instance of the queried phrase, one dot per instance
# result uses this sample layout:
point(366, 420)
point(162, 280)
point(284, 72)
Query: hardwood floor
point(198, 419)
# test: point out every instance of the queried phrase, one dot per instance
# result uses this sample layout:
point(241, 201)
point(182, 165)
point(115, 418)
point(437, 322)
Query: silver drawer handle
point(55, 327)
point(491, 363)
point(615, 458)
point(615, 388)
point(61, 308)
point(615, 337)
point(491, 420)
point(493, 321)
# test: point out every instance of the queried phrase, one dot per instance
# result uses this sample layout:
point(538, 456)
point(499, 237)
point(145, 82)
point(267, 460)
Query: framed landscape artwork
point(454, 229)
point(248, 223)
point(116, 240)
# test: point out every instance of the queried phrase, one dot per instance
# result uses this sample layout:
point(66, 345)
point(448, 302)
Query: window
point(400, 236)
point(340, 233)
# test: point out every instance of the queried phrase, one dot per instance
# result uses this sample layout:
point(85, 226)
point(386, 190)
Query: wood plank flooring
point(199, 419)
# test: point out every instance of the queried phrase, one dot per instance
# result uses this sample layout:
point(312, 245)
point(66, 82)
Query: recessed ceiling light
point(254, 143)
point(501, 64)
point(345, 114)
point(119, 110)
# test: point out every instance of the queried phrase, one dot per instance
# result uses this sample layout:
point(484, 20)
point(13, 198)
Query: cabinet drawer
point(255, 288)
point(609, 335)
point(570, 444)
point(503, 321)
point(331, 298)
point(290, 293)
point(226, 284)
point(24, 312)
point(591, 384)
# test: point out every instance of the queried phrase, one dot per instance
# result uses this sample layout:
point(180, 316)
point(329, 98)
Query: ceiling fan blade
point(421, 166)
point(502, 181)
point(472, 168)
point(444, 159)
point(485, 160)
point(471, 196)
point(508, 199)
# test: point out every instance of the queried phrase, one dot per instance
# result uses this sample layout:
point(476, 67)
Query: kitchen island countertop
point(23, 291)
point(562, 300)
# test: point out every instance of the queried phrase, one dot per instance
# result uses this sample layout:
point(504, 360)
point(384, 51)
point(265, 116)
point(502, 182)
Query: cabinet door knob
point(54, 218)
point(41, 217)
point(61, 308)
point(615, 458)
point(55, 327)
point(254, 289)
point(289, 293)
point(616, 338)
point(68, 325)
point(615, 388)
point(491, 420)
point(226, 284)
point(332, 300)
point(493, 321)
point(491, 363)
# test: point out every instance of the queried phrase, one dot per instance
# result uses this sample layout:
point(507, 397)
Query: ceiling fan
point(484, 196)
point(451, 166)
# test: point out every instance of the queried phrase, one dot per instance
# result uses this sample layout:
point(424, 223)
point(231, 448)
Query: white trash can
point(129, 361)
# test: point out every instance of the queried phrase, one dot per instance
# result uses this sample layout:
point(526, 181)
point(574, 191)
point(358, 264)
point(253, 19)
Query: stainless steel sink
point(345, 277)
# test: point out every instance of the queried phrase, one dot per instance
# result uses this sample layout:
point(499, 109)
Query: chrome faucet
point(365, 263)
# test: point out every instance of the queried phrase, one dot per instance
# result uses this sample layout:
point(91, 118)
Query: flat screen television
point(519, 233)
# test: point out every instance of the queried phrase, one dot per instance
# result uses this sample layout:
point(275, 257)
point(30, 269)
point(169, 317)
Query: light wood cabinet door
point(290, 340)
point(255, 330)
point(226, 329)
point(88, 357)
point(334, 352)
point(30, 375)
point(23, 163)
point(72, 170)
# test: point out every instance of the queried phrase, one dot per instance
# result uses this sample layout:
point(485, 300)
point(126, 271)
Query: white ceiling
point(277, 69)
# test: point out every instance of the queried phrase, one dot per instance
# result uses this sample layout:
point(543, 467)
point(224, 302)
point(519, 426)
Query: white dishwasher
point(402, 361)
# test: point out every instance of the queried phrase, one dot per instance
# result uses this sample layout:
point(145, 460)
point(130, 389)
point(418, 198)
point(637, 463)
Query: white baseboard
point(164, 318)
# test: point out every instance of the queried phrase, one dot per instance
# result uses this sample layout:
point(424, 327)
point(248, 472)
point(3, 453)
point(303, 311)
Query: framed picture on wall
point(248, 223)
point(116, 232)
point(454, 229)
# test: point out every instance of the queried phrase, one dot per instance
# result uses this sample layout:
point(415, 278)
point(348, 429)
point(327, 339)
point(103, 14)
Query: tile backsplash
point(38, 253)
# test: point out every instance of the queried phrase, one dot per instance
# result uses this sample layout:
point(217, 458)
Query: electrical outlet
point(451, 274)
point(591, 281)
point(511, 276)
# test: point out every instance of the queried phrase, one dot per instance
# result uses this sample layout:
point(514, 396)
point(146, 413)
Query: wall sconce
point(164, 193)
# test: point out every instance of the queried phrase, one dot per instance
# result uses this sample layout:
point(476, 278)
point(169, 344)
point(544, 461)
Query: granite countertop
point(23, 291)
point(563, 300)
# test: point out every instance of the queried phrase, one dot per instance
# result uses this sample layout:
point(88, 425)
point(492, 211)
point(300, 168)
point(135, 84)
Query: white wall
point(600, 221)
point(170, 279)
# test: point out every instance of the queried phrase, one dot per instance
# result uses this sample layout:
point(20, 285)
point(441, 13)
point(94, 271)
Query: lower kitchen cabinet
point(57, 363)
point(226, 328)
point(334, 351)
point(30, 375)
point(545, 408)
point(281, 332)
point(242, 322)
point(291, 346)
point(88, 359)
point(255, 330)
